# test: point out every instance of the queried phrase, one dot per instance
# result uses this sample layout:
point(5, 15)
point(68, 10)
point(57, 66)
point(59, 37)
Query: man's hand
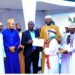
point(20, 46)
point(62, 51)
point(46, 43)
point(30, 42)
point(12, 49)
point(58, 52)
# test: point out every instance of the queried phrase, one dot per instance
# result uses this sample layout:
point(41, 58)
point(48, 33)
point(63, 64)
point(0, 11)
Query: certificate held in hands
point(38, 42)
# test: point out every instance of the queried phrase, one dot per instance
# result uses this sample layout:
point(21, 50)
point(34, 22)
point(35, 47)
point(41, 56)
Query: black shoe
point(39, 68)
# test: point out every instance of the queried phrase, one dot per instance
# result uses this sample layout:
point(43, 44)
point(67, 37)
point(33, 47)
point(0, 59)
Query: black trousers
point(34, 58)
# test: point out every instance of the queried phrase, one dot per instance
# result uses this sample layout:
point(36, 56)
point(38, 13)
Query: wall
point(61, 20)
point(16, 14)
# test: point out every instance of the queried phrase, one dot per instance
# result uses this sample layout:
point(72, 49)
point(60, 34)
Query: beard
point(48, 23)
point(18, 30)
point(31, 29)
point(11, 30)
point(72, 32)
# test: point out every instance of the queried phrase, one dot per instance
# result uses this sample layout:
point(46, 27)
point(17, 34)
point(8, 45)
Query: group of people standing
point(17, 51)
point(55, 44)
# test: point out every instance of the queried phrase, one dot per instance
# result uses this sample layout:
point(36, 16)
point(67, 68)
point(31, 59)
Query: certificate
point(38, 42)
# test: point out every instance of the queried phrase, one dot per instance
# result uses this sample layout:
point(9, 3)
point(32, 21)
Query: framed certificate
point(38, 42)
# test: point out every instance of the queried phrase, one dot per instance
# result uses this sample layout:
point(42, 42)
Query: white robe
point(65, 61)
point(2, 55)
point(72, 58)
point(65, 57)
point(53, 58)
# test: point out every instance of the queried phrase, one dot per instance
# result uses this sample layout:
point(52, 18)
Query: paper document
point(38, 42)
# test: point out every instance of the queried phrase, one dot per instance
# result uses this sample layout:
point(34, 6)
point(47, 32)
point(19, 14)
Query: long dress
point(11, 38)
point(53, 58)
point(2, 55)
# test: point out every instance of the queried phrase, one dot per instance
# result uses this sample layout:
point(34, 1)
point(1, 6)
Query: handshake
point(62, 51)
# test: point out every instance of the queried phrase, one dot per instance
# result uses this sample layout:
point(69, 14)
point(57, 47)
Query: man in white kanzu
point(71, 49)
point(2, 55)
point(51, 65)
point(65, 55)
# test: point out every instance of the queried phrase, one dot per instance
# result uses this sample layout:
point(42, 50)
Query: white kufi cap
point(48, 16)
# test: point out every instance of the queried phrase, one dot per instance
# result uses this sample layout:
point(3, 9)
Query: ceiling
point(17, 4)
point(10, 4)
point(49, 6)
point(54, 9)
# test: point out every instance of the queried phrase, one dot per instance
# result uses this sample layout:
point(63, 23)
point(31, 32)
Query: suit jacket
point(25, 38)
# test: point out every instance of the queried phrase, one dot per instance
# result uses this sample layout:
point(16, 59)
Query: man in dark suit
point(31, 53)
